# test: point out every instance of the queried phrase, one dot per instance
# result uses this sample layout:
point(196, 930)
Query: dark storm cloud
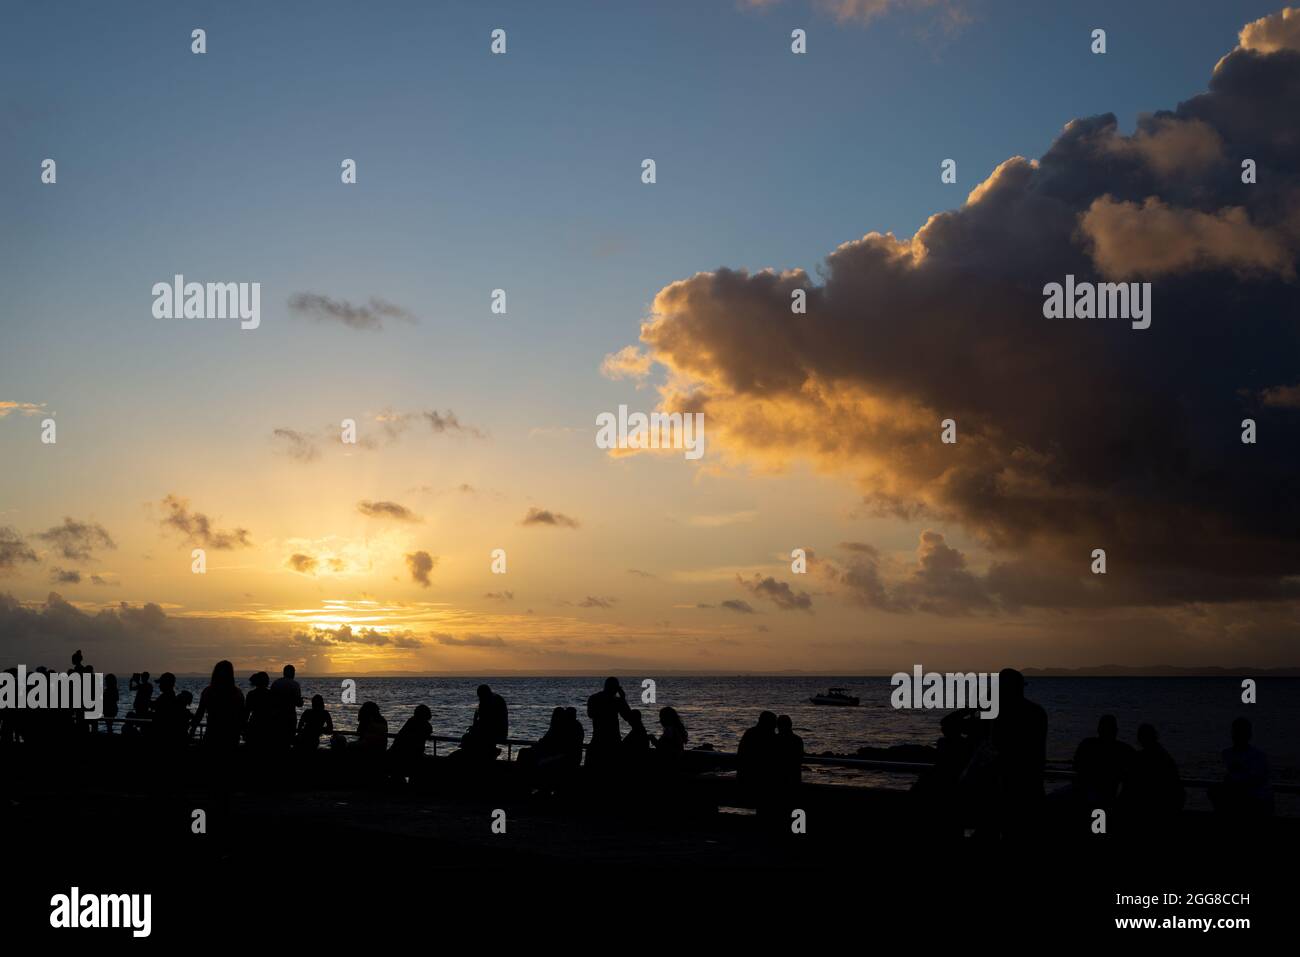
point(65, 576)
point(198, 529)
point(57, 619)
point(1072, 434)
point(779, 593)
point(369, 316)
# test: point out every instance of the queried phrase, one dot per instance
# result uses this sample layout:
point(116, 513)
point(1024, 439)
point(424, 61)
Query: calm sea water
point(1192, 715)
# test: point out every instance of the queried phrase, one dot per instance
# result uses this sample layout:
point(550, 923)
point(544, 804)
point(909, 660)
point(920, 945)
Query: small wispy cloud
point(420, 564)
point(543, 516)
point(390, 510)
point(369, 316)
point(198, 529)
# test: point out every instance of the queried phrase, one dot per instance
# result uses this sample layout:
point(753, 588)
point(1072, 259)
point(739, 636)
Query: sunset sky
point(477, 431)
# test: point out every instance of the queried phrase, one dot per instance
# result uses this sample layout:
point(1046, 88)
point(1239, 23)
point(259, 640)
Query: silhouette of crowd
point(987, 778)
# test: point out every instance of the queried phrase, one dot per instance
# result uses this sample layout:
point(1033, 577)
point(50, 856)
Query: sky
point(774, 171)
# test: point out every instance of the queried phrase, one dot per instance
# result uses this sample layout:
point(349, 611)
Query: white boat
point(836, 696)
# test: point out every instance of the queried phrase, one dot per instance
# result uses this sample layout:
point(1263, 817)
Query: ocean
point(1192, 715)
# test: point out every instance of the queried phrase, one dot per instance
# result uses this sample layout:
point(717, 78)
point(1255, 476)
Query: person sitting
point(575, 734)
point(1152, 793)
point(634, 750)
point(671, 745)
point(372, 729)
point(488, 729)
point(314, 722)
point(406, 756)
point(1245, 792)
point(1100, 764)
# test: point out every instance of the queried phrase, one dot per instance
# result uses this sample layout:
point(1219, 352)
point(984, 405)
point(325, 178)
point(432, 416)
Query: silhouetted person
point(575, 735)
point(634, 749)
point(141, 707)
point(757, 754)
point(490, 727)
point(671, 744)
point(550, 746)
point(1152, 793)
point(372, 729)
point(143, 688)
point(1019, 739)
point(222, 703)
point(1100, 764)
point(314, 722)
point(1245, 791)
point(257, 728)
point(286, 699)
point(407, 752)
point(604, 708)
point(940, 787)
point(169, 725)
point(788, 755)
point(548, 761)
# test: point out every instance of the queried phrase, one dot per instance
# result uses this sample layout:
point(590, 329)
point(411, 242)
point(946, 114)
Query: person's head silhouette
point(317, 703)
point(166, 682)
point(223, 675)
point(612, 685)
point(767, 722)
point(1108, 728)
point(289, 671)
point(1241, 733)
point(634, 719)
point(784, 724)
point(260, 680)
point(1147, 736)
point(1011, 685)
point(422, 712)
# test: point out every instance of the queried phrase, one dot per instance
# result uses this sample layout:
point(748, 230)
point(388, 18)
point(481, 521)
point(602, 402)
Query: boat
point(836, 696)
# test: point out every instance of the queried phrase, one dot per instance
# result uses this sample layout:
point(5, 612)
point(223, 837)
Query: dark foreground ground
point(312, 857)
